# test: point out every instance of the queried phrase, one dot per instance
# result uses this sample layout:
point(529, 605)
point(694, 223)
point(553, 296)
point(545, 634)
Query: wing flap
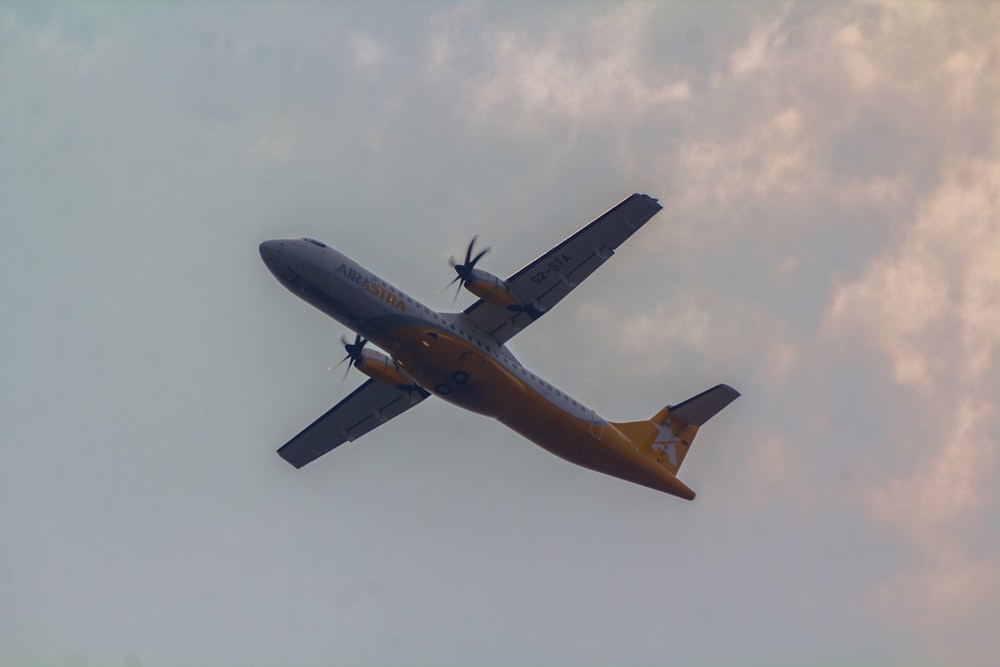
point(370, 405)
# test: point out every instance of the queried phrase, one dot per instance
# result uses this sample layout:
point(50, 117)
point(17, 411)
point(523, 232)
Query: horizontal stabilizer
point(699, 409)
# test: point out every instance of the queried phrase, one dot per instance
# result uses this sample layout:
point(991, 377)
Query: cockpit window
point(315, 242)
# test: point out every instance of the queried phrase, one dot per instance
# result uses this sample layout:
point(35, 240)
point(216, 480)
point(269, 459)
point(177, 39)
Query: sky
point(829, 245)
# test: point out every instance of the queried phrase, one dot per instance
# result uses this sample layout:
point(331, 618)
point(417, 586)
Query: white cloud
point(966, 70)
point(777, 467)
point(931, 307)
point(851, 45)
point(276, 147)
point(759, 51)
point(596, 73)
point(928, 303)
point(943, 279)
point(771, 159)
point(366, 52)
point(722, 330)
point(945, 596)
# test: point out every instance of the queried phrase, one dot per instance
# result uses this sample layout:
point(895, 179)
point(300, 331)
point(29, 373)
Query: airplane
point(463, 357)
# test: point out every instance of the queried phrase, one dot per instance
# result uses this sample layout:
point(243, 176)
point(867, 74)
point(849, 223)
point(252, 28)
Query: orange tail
point(668, 436)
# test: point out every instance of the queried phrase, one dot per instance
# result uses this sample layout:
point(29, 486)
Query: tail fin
point(669, 434)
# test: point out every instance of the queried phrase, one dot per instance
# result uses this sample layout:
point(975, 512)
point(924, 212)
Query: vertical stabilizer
point(667, 437)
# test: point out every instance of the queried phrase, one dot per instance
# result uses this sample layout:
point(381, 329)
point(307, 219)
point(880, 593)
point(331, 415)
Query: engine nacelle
point(381, 368)
point(490, 288)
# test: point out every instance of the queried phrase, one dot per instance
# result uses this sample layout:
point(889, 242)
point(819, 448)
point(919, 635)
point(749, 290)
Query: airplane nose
point(269, 250)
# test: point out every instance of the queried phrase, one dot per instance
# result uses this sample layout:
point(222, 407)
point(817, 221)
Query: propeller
point(464, 271)
point(353, 352)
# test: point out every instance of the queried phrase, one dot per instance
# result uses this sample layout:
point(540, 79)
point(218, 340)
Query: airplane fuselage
point(448, 356)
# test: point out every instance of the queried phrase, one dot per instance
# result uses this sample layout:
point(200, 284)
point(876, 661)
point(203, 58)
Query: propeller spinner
point(353, 352)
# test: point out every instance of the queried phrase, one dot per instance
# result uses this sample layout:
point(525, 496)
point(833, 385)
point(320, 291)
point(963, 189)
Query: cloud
point(930, 305)
point(527, 83)
point(828, 245)
point(722, 330)
point(367, 52)
point(280, 148)
point(850, 44)
point(777, 466)
point(911, 184)
point(771, 157)
point(950, 595)
point(942, 279)
point(760, 49)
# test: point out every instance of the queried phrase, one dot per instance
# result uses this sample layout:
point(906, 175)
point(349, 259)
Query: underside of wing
point(544, 282)
point(370, 405)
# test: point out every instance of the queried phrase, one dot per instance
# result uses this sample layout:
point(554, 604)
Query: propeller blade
point(354, 351)
point(468, 251)
point(458, 270)
point(464, 271)
point(339, 364)
point(480, 256)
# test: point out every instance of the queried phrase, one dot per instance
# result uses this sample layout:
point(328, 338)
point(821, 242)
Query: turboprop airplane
point(463, 357)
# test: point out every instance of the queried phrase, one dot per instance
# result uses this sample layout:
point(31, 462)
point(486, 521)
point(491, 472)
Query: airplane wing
point(371, 404)
point(543, 283)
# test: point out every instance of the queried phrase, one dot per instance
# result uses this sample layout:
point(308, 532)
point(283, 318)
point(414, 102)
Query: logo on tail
point(666, 441)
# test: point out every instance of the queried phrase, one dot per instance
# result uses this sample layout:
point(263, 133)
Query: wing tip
point(649, 198)
point(284, 457)
point(732, 391)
